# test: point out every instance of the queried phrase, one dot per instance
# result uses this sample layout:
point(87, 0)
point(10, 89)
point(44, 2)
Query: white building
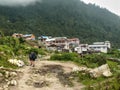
point(100, 46)
point(95, 47)
point(83, 48)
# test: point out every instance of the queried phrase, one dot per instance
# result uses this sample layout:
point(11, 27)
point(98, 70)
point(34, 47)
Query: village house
point(73, 42)
point(94, 48)
point(29, 37)
point(56, 42)
point(17, 35)
point(100, 46)
point(60, 42)
point(44, 38)
point(26, 36)
point(81, 49)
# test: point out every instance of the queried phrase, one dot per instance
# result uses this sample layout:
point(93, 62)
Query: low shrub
point(42, 51)
point(64, 56)
point(93, 60)
point(114, 53)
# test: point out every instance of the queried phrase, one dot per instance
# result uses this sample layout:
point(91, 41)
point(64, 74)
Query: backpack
point(33, 55)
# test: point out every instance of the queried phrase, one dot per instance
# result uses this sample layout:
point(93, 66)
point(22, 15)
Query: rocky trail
point(47, 75)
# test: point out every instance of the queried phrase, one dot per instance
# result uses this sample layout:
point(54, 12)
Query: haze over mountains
point(71, 18)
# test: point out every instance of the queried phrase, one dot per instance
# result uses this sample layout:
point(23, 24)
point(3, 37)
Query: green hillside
point(71, 18)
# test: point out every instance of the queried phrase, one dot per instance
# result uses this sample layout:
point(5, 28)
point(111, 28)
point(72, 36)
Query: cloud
point(112, 5)
point(17, 2)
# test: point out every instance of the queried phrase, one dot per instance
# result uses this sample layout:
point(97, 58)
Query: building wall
point(98, 48)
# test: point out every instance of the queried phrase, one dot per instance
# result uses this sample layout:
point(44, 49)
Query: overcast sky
point(112, 5)
point(17, 2)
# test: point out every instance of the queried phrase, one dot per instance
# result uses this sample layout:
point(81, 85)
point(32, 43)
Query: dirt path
point(48, 75)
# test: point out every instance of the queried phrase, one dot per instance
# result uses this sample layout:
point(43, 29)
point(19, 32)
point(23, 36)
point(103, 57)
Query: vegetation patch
point(16, 48)
point(91, 61)
point(64, 56)
point(114, 53)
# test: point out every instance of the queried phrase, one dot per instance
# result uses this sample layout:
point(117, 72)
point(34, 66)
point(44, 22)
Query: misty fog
point(17, 2)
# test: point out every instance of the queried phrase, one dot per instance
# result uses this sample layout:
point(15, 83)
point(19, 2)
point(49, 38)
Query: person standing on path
point(32, 57)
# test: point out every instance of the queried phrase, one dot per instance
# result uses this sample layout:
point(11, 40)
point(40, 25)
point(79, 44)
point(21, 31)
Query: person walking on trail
point(32, 57)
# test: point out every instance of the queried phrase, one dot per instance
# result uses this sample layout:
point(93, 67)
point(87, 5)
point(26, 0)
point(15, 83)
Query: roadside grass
point(91, 61)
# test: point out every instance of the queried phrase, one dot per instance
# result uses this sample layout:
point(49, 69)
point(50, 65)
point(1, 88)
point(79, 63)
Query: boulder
point(107, 74)
point(81, 69)
point(19, 63)
point(1, 67)
point(13, 74)
point(13, 82)
point(102, 70)
point(75, 69)
point(1, 75)
point(7, 74)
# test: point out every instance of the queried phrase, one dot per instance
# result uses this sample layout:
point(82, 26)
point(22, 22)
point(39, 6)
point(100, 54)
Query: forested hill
point(71, 18)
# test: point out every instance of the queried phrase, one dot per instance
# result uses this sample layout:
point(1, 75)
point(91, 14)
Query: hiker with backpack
point(32, 57)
